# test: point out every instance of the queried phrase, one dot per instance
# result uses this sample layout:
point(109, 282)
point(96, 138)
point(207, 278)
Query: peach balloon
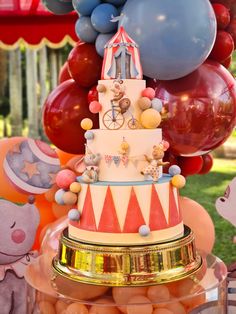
point(60, 210)
point(176, 308)
point(64, 157)
point(198, 219)
point(46, 307)
point(159, 293)
point(163, 311)
point(139, 305)
point(60, 306)
point(99, 309)
point(76, 308)
point(122, 295)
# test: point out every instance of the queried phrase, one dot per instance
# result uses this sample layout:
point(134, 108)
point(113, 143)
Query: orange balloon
point(7, 190)
point(198, 219)
point(64, 157)
point(61, 210)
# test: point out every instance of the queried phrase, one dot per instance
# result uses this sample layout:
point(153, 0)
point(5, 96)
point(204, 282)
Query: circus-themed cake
point(124, 197)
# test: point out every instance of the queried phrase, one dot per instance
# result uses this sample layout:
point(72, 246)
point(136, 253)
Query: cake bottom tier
point(128, 213)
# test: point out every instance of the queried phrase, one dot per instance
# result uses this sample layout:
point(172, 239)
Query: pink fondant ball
point(198, 219)
point(64, 179)
point(149, 93)
point(95, 107)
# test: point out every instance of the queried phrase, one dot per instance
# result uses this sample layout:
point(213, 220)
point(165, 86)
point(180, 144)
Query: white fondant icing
point(163, 194)
point(143, 194)
point(125, 238)
point(133, 90)
point(98, 195)
point(141, 143)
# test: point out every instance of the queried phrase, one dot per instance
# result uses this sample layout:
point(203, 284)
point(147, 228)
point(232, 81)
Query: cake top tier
point(121, 58)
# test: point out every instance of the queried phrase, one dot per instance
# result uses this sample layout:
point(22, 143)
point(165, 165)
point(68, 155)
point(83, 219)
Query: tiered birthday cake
point(124, 199)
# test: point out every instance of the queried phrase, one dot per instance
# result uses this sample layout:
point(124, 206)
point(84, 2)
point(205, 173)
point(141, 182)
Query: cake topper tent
point(121, 58)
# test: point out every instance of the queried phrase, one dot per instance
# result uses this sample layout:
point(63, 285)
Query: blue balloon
point(84, 30)
point(85, 7)
point(101, 18)
point(58, 7)
point(175, 37)
point(116, 2)
point(101, 41)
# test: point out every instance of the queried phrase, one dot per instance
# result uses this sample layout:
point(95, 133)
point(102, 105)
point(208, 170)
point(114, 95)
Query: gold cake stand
point(127, 266)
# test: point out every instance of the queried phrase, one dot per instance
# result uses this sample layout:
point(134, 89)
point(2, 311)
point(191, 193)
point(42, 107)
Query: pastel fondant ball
point(150, 119)
point(157, 104)
point(148, 92)
point(75, 187)
point(144, 103)
point(86, 124)
point(144, 231)
point(101, 88)
point(59, 197)
point(174, 170)
point(178, 181)
point(70, 198)
point(74, 215)
point(95, 106)
point(64, 178)
point(89, 135)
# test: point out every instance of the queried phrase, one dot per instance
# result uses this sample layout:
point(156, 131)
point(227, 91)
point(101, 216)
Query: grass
point(205, 190)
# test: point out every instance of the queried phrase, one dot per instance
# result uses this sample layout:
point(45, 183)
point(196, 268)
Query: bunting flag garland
point(117, 160)
point(124, 159)
point(108, 159)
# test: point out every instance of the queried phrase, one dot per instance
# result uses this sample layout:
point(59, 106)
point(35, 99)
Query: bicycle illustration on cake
point(114, 119)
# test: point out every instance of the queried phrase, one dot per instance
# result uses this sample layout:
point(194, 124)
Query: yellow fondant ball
point(69, 198)
point(144, 103)
point(75, 187)
point(125, 146)
point(150, 119)
point(178, 181)
point(86, 124)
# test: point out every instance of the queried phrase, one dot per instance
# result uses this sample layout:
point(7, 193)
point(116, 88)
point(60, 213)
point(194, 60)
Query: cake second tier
point(123, 153)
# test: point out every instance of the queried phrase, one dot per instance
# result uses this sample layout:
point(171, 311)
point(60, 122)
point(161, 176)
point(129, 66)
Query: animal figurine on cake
point(152, 169)
point(18, 226)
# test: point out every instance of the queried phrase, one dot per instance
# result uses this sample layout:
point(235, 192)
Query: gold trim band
point(127, 266)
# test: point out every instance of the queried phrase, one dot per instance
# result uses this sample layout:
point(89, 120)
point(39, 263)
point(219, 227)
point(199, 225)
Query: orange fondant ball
point(150, 119)
point(139, 304)
point(76, 308)
point(75, 187)
point(178, 181)
point(46, 307)
point(86, 124)
point(144, 103)
point(69, 198)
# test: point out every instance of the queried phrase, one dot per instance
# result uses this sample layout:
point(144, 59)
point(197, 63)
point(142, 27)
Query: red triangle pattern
point(157, 219)
point(109, 221)
point(134, 217)
point(87, 221)
point(174, 218)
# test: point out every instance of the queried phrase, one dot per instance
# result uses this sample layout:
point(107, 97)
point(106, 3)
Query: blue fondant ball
point(58, 197)
point(116, 2)
point(84, 30)
point(174, 170)
point(157, 104)
point(174, 37)
point(101, 41)
point(74, 215)
point(101, 18)
point(144, 231)
point(89, 135)
point(85, 7)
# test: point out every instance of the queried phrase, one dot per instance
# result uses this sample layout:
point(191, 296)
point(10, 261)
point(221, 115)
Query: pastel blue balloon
point(85, 7)
point(174, 170)
point(74, 215)
point(101, 18)
point(157, 104)
point(101, 41)
point(58, 7)
point(116, 2)
point(175, 37)
point(84, 30)
point(58, 197)
point(89, 135)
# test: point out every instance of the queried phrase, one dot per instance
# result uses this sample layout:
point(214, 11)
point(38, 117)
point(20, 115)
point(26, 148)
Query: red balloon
point(223, 47)
point(93, 94)
point(227, 62)
point(226, 3)
point(63, 111)
point(172, 159)
point(222, 15)
point(207, 164)
point(85, 65)
point(190, 165)
point(64, 74)
point(200, 109)
point(231, 29)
